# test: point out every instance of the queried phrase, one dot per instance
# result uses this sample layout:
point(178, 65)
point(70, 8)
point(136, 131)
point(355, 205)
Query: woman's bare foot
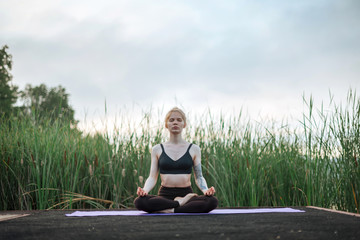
point(171, 210)
point(183, 200)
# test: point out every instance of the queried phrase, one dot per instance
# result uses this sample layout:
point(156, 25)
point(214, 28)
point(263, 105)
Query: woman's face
point(175, 123)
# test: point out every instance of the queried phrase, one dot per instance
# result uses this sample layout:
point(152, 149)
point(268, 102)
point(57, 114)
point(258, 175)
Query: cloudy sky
point(261, 56)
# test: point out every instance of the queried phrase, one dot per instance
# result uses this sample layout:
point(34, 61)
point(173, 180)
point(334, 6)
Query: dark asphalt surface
point(53, 224)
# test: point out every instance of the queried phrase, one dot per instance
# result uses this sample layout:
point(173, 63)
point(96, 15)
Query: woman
point(174, 160)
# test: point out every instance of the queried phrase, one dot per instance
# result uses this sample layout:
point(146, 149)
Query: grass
point(52, 165)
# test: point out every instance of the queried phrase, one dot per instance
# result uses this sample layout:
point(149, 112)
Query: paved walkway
point(53, 224)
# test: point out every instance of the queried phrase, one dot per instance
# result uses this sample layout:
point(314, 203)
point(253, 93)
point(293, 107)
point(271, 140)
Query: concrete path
point(312, 224)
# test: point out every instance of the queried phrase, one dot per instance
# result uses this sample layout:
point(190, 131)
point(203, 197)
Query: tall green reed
point(54, 165)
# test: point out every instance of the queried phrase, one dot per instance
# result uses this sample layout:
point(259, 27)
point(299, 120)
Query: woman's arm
point(154, 173)
point(199, 179)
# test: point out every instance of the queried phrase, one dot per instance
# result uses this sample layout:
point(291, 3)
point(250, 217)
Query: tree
point(44, 103)
point(8, 92)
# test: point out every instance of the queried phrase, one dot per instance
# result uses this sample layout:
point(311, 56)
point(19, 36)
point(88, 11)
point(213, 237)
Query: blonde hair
point(175, 109)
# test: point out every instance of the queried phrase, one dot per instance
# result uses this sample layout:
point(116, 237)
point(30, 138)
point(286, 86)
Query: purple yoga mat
point(216, 211)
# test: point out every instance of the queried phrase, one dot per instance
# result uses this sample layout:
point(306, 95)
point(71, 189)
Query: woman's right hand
point(141, 192)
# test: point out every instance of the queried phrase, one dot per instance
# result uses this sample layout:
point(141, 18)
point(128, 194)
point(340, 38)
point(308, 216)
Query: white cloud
point(260, 54)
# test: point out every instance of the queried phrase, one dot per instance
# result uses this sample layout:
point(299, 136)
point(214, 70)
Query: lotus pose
point(175, 160)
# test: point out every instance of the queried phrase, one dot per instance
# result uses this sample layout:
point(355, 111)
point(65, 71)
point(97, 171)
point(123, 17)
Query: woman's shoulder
point(195, 148)
point(156, 151)
point(193, 145)
point(157, 147)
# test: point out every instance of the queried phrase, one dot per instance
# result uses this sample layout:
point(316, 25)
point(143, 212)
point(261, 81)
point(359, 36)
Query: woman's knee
point(212, 202)
point(209, 203)
point(140, 203)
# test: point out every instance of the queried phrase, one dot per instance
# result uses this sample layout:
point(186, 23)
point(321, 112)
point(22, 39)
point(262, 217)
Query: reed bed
point(54, 165)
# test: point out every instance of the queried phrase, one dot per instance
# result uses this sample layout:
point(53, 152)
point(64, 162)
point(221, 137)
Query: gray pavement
point(53, 224)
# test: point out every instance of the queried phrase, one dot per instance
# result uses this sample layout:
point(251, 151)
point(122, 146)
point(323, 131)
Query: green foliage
point(249, 164)
point(8, 92)
point(50, 104)
point(40, 103)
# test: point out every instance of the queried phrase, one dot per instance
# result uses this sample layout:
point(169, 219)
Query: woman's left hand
point(210, 191)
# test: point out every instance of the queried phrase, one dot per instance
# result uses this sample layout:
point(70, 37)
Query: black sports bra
point(181, 166)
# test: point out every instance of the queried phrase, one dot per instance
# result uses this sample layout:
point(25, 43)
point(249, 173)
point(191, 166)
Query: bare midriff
point(175, 180)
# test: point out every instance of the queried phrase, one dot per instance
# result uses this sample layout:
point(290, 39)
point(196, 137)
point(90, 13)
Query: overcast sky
point(258, 55)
